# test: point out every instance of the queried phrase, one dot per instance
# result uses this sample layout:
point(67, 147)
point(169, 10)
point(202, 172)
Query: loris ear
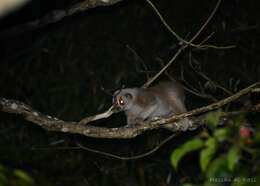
point(116, 93)
point(129, 96)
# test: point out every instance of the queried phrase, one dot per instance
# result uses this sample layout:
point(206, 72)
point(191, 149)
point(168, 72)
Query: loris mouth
point(116, 104)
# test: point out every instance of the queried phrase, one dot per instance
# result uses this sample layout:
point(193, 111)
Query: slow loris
point(144, 104)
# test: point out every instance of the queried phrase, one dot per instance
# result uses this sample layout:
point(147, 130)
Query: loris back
point(161, 100)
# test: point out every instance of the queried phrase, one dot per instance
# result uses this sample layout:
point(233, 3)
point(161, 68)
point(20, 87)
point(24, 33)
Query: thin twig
point(196, 35)
point(185, 45)
point(105, 114)
point(151, 80)
point(143, 155)
point(203, 75)
point(106, 154)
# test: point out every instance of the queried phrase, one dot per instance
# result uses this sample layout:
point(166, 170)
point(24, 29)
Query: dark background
point(71, 68)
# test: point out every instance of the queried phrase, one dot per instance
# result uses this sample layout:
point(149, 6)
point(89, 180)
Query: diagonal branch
point(184, 45)
point(54, 124)
point(55, 16)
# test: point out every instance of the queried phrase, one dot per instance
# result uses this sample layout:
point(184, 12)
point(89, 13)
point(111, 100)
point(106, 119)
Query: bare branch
point(151, 80)
point(105, 114)
point(183, 46)
point(196, 35)
point(139, 156)
point(198, 70)
point(55, 16)
point(54, 124)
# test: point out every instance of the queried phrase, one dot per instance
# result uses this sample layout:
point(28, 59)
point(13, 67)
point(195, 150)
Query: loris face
point(123, 99)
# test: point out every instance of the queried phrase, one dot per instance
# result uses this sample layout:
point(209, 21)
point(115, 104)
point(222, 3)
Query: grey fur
point(161, 100)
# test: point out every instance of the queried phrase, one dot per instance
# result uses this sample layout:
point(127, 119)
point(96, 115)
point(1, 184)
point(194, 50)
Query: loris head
point(123, 99)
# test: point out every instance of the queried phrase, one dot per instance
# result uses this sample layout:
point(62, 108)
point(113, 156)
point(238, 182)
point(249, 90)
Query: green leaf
point(212, 119)
point(233, 157)
point(238, 119)
point(257, 138)
point(23, 176)
point(3, 179)
point(184, 149)
point(207, 153)
point(221, 134)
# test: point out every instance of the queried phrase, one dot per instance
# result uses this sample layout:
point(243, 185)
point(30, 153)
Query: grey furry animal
point(144, 104)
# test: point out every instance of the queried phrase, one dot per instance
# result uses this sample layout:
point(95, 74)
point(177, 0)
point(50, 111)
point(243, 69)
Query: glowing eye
point(121, 101)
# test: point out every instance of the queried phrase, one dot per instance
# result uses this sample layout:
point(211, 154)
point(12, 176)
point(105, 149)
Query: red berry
point(245, 132)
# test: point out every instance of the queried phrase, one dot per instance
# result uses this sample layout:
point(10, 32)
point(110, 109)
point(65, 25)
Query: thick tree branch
point(55, 16)
point(55, 124)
